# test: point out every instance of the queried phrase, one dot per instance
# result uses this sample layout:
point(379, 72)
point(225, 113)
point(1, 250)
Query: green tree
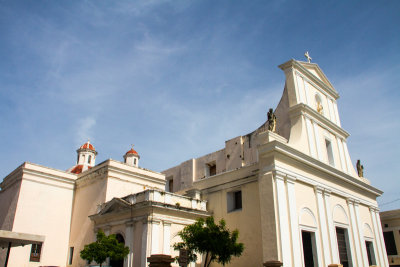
point(104, 247)
point(214, 240)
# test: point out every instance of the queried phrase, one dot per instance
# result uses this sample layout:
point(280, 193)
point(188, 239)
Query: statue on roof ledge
point(360, 169)
point(271, 120)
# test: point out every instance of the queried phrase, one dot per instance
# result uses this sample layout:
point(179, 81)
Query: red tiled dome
point(87, 145)
point(132, 151)
point(78, 169)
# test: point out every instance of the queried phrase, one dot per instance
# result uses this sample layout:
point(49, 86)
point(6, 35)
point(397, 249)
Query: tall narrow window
point(89, 159)
point(234, 200)
point(171, 185)
point(343, 246)
point(391, 248)
point(71, 255)
point(309, 249)
point(370, 253)
point(134, 162)
point(329, 152)
point(35, 252)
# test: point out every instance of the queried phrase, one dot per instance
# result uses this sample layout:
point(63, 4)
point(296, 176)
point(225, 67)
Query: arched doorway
point(118, 263)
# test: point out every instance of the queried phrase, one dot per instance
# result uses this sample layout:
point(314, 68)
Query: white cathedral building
point(289, 187)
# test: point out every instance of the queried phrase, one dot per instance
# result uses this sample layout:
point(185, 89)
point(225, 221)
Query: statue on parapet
point(271, 120)
point(360, 169)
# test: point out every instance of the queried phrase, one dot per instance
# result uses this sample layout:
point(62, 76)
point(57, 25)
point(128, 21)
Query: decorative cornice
point(306, 110)
point(267, 149)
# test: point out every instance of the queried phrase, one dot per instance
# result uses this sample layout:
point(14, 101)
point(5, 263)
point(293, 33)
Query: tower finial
point(307, 55)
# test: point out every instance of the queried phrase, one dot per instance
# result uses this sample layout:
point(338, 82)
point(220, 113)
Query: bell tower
point(86, 155)
point(132, 158)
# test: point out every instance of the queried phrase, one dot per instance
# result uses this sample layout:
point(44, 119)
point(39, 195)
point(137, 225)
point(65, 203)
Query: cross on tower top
point(308, 57)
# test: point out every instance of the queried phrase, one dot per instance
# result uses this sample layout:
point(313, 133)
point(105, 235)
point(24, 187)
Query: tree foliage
point(104, 247)
point(213, 240)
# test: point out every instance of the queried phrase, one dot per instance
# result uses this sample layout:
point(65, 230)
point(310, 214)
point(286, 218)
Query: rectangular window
point(234, 200)
point(309, 249)
point(329, 152)
point(210, 169)
point(343, 247)
point(390, 243)
point(170, 184)
point(35, 252)
point(370, 253)
point(71, 255)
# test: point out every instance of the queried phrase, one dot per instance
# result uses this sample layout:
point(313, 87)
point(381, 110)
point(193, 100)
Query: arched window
point(118, 263)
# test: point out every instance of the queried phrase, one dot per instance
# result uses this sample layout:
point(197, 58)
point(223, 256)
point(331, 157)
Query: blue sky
point(178, 78)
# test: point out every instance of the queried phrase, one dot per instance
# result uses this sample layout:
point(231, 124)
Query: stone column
point(361, 234)
point(155, 237)
point(129, 230)
point(322, 223)
point(331, 227)
point(311, 139)
point(377, 237)
point(318, 145)
point(354, 231)
point(385, 262)
point(284, 226)
point(294, 225)
point(167, 238)
point(145, 227)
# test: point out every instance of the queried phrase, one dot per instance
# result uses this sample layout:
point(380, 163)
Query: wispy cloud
point(84, 130)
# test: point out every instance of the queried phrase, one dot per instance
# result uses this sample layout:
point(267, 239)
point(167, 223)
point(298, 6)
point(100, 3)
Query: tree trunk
point(205, 262)
point(211, 259)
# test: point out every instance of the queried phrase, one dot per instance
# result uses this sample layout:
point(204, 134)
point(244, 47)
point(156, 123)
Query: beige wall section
point(268, 219)
point(87, 198)
point(8, 205)
point(111, 179)
point(9, 200)
point(40, 186)
point(247, 221)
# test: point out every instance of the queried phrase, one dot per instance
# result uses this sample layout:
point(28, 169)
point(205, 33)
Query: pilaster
point(166, 238)
point(283, 219)
point(155, 236)
point(294, 225)
point(354, 232)
point(323, 226)
point(331, 227)
point(144, 250)
point(129, 238)
point(377, 237)
point(360, 233)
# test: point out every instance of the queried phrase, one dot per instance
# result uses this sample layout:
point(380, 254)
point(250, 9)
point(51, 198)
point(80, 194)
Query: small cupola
point(132, 158)
point(86, 155)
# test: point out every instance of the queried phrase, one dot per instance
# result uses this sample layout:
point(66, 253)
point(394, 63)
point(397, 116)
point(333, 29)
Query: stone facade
point(293, 194)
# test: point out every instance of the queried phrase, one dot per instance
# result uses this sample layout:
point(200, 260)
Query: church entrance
point(118, 263)
point(309, 249)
